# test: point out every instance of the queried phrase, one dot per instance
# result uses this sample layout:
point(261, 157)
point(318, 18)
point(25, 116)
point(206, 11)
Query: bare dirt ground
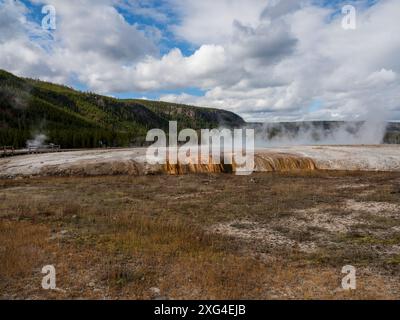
point(206, 236)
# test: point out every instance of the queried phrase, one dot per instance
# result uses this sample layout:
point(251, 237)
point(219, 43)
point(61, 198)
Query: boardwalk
point(9, 151)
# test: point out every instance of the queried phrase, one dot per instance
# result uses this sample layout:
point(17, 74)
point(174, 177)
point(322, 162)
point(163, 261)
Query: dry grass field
point(206, 236)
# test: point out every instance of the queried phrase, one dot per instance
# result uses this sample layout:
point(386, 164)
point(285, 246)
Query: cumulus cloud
point(18, 52)
point(176, 71)
point(277, 9)
point(92, 39)
point(353, 73)
point(211, 22)
point(266, 60)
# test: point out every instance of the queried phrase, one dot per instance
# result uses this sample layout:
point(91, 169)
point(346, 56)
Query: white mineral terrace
point(133, 161)
point(363, 157)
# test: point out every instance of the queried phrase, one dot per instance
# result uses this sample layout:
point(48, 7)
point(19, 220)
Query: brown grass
point(117, 237)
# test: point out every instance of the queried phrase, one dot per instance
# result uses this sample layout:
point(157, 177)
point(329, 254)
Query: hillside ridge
point(75, 119)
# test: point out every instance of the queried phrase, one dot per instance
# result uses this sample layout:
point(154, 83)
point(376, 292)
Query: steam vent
point(133, 162)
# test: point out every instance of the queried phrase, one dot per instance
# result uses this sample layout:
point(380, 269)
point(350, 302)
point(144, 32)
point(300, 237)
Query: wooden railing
point(46, 148)
point(7, 150)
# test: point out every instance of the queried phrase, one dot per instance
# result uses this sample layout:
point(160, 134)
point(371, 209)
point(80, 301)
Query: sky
point(266, 60)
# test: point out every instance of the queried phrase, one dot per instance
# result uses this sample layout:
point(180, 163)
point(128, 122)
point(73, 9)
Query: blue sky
point(277, 60)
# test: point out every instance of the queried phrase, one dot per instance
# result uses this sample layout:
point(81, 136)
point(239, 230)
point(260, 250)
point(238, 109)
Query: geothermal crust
point(133, 161)
point(347, 158)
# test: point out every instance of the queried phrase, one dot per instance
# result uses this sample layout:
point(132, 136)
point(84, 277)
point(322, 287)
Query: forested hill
point(76, 119)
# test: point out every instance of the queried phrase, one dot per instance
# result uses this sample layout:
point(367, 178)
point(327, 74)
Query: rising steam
point(37, 142)
point(320, 133)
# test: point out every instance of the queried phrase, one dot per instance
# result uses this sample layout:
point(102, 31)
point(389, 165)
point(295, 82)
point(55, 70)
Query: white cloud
point(353, 73)
point(175, 70)
point(91, 40)
point(266, 60)
point(210, 21)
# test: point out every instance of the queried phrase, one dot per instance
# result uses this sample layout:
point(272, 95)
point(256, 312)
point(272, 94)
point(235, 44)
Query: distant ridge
point(76, 119)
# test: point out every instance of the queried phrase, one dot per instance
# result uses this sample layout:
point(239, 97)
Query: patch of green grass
point(369, 239)
point(395, 260)
point(341, 256)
